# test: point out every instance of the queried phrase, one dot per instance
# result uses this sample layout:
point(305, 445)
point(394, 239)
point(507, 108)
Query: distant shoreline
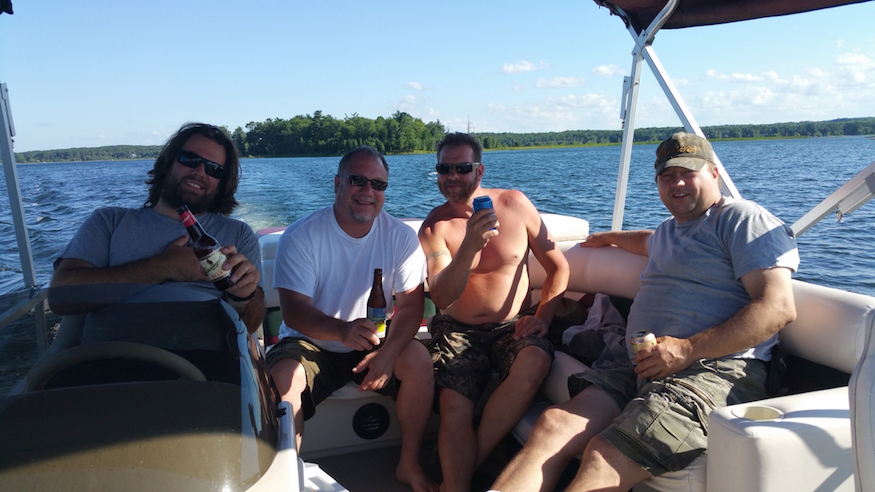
point(423, 152)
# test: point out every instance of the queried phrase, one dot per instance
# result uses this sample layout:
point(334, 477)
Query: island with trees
point(318, 134)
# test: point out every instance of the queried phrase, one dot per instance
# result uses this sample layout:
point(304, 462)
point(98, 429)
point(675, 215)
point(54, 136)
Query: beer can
point(483, 202)
point(642, 339)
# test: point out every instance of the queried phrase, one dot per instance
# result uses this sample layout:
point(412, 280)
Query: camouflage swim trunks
point(464, 355)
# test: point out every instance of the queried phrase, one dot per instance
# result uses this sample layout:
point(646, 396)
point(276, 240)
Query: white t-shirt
point(316, 258)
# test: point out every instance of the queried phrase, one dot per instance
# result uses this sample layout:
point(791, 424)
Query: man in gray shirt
point(197, 167)
point(715, 292)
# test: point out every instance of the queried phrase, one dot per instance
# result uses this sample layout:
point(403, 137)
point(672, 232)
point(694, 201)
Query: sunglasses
point(192, 160)
point(463, 168)
point(376, 184)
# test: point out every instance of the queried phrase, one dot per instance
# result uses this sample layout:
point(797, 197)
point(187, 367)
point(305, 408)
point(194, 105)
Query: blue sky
point(106, 72)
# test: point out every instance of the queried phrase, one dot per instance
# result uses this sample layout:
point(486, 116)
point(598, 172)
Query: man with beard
point(478, 277)
point(325, 266)
point(198, 167)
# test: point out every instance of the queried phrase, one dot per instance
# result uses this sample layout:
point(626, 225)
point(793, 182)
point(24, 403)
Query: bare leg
point(414, 368)
point(561, 433)
point(604, 467)
point(511, 398)
point(291, 381)
point(457, 442)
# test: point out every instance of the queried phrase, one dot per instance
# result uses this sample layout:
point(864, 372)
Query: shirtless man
point(478, 277)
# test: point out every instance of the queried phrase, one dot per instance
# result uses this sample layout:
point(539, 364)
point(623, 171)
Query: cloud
point(593, 111)
point(414, 85)
point(561, 82)
point(608, 70)
point(857, 61)
point(522, 66)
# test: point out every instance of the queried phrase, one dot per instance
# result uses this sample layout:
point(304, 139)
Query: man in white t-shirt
point(324, 273)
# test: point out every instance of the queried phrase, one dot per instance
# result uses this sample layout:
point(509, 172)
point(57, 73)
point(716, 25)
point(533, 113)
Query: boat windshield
point(162, 389)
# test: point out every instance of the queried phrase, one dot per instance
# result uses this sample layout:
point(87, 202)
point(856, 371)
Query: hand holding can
point(641, 340)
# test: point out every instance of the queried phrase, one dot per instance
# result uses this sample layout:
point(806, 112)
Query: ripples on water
point(786, 176)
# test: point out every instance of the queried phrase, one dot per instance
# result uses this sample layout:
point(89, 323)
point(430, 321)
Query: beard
point(458, 195)
point(172, 195)
point(362, 217)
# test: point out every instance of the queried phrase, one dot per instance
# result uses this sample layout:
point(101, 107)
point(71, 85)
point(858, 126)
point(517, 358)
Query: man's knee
point(532, 363)
point(414, 361)
point(453, 403)
point(288, 376)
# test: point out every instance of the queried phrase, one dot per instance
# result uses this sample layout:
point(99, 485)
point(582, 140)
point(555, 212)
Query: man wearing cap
point(716, 290)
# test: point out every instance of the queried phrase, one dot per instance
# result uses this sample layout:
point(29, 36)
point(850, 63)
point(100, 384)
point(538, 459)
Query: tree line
point(323, 135)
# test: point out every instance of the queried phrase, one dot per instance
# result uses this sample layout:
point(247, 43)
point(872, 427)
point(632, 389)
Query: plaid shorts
point(664, 423)
point(464, 355)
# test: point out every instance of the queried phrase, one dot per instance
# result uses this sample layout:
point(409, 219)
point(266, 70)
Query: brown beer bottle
point(207, 249)
point(377, 304)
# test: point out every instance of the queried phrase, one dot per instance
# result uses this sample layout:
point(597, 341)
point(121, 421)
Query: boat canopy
point(639, 14)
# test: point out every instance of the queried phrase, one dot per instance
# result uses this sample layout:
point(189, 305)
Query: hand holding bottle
point(244, 275)
point(360, 334)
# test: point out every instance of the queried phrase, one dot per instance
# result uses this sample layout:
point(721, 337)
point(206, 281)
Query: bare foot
point(415, 476)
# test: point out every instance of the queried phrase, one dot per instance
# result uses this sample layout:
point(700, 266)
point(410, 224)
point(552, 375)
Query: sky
point(109, 72)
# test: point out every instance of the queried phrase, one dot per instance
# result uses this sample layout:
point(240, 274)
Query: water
point(786, 176)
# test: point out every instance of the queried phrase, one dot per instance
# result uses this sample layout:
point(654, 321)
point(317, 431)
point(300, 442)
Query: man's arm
point(632, 241)
point(300, 314)
point(447, 274)
point(405, 323)
point(245, 276)
point(547, 253)
point(251, 311)
point(772, 306)
point(177, 263)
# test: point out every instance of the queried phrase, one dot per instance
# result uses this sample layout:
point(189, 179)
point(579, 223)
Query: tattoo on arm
point(437, 253)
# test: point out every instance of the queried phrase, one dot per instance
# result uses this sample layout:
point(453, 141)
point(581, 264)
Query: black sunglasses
point(376, 184)
point(192, 160)
point(463, 168)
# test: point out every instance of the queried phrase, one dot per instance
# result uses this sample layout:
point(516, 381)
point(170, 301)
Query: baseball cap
point(682, 149)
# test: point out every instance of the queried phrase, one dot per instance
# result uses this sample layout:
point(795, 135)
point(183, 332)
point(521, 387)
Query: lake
point(788, 177)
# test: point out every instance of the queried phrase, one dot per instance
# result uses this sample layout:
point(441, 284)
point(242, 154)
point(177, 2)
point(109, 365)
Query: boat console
point(168, 404)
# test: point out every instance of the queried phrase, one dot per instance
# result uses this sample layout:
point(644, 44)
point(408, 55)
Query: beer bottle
point(207, 249)
point(377, 304)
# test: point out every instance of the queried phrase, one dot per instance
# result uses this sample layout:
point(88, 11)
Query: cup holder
point(757, 412)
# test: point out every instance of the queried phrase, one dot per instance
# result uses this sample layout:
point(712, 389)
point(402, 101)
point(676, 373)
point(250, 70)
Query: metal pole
point(17, 210)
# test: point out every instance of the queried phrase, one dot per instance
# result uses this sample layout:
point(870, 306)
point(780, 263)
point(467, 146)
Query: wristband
point(240, 299)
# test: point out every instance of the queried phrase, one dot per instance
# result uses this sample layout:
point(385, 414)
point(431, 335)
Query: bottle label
point(378, 316)
point(212, 264)
point(188, 219)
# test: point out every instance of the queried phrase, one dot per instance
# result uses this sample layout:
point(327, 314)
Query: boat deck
point(375, 469)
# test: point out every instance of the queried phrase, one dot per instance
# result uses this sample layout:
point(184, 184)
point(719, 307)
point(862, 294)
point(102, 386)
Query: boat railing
point(849, 197)
point(37, 295)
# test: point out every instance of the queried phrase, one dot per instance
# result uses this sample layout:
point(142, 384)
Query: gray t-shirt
point(692, 280)
point(114, 236)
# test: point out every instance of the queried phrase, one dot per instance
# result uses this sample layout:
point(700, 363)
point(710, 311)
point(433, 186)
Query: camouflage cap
point(685, 150)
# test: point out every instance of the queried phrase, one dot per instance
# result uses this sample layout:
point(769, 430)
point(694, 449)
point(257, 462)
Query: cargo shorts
point(326, 371)
point(465, 356)
point(664, 422)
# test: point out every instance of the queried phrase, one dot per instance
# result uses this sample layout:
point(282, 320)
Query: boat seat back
point(567, 231)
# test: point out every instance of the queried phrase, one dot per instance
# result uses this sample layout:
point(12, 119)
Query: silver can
point(642, 339)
